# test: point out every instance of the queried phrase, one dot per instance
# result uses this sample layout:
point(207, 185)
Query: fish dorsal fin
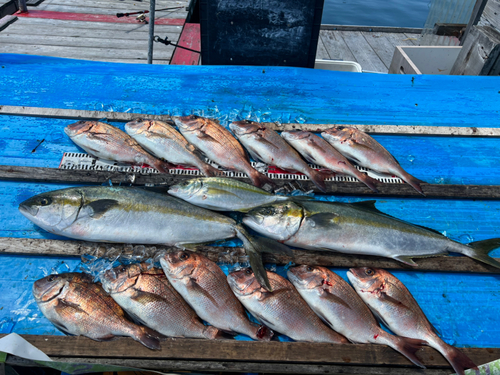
point(323, 219)
point(370, 206)
point(99, 207)
point(335, 299)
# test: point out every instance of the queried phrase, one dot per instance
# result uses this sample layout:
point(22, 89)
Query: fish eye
point(309, 269)
point(369, 272)
point(123, 269)
point(249, 271)
point(45, 201)
point(193, 117)
point(51, 278)
point(184, 256)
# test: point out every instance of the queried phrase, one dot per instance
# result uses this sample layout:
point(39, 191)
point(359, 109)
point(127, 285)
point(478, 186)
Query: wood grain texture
point(224, 350)
point(375, 29)
point(363, 52)
point(6, 21)
point(226, 366)
point(63, 113)
point(28, 246)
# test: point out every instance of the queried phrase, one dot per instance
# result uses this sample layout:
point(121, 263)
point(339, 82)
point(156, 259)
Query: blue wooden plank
point(270, 93)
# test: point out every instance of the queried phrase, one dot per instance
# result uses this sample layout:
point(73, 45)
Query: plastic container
point(340, 66)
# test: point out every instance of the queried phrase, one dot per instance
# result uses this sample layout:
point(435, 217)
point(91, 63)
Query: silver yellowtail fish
point(394, 305)
point(204, 286)
point(223, 194)
point(107, 142)
point(358, 228)
point(146, 295)
point(166, 143)
point(283, 310)
point(267, 146)
point(79, 307)
point(318, 151)
point(367, 152)
point(219, 145)
point(338, 305)
point(132, 215)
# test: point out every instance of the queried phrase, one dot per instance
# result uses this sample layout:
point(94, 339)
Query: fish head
point(243, 127)
point(279, 221)
point(179, 264)
point(366, 279)
point(186, 189)
point(53, 210)
point(79, 127)
point(120, 278)
point(307, 277)
point(243, 282)
point(295, 135)
point(337, 133)
point(48, 288)
point(138, 126)
point(189, 123)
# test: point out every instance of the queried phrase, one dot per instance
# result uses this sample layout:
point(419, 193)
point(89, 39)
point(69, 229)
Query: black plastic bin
point(260, 32)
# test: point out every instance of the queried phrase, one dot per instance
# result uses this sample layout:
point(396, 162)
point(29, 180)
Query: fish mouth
point(28, 211)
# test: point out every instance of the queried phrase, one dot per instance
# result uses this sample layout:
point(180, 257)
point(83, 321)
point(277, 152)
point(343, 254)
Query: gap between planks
point(29, 246)
point(234, 350)
point(62, 113)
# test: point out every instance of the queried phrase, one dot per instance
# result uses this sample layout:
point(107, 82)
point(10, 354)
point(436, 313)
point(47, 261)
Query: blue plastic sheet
point(464, 307)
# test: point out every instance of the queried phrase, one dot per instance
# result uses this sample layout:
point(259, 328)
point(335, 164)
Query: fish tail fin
point(368, 181)
point(259, 179)
point(264, 333)
point(149, 338)
point(408, 347)
point(412, 181)
point(318, 177)
point(254, 246)
point(479, 250)
point(162, 166)
point(210, 171)
point(458, 360)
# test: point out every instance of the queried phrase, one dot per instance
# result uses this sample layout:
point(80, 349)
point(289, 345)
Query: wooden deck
point(88, 30)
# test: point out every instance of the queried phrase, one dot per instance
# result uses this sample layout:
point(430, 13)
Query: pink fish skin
point(219, 145)
point(358, 146)
point(393, 303)
point(283, 309)
point(334, 301)
point(107, 142)
point(266, 145)
point(318, 151)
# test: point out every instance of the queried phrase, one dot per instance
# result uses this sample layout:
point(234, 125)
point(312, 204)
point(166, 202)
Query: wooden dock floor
point(88, 30)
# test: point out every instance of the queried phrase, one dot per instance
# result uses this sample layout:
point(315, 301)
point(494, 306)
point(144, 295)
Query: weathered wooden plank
point(22, 29)
point(375, 29)
point(336, 46)
point(383, 47)
point(106, 11)
point(372, 129)
point(233, 350)
point(130, 45)
point(27, 246)
point(362, 51)
point(321, 52)
point(127, 27)
point(75, 52)
point(224, 366)
point(6, 21)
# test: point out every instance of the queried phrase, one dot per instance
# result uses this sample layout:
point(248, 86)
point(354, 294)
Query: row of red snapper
point(332, 151)
point(314, 305)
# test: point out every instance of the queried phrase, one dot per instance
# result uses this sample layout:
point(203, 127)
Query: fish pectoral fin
point(198, 289)
point(334, 299)
point(266, 143)
point(206, 137)
point(309, 156)
point(66, 307)
point(262, 320)
point(99, 207)
point(144, 297)
point(363, 146)
point(255, 155)
point(380, 318)
point(405, 259)
point(215, 191)
point(325, 219)
point(275, 294)
point(391, 300)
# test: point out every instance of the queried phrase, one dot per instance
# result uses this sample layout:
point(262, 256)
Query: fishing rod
point(119, 15)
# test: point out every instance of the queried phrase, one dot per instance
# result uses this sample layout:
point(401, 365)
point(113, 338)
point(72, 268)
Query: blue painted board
point(464, 307)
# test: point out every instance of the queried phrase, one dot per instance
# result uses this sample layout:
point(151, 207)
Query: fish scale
point(283, 310)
